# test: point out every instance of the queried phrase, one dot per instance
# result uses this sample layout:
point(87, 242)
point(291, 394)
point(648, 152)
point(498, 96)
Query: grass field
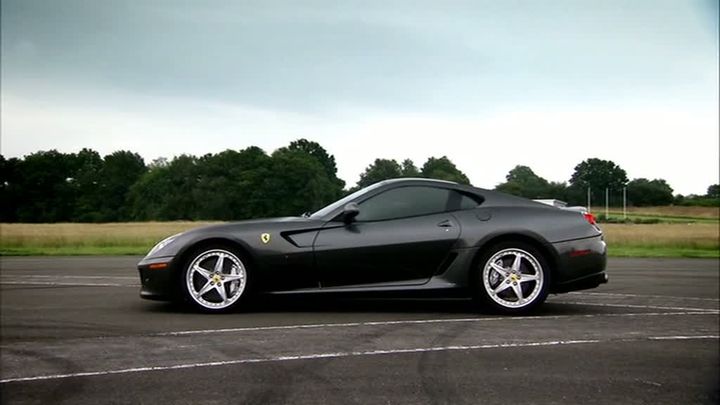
point(670, 214)
point(668, 211)
point(131, 238)
point(136, 238)
point(663, 240)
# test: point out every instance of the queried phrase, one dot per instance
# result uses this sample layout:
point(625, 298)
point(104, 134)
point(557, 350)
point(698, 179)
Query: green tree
point(49, 186)
point(318, 152)
point(158, 162)
point(229, 184)
point(9, 174)
point(326, 160)
point(597, 174)
point(166, 193)
point(120, 170)
point(523, 182)
point(409, 169)
point(86, 188)
point(235, 185)
point(296, 183)
point(379, 170)
point(443, 169)
point(557, 190)
point(643, 192)
point(710, 199)
point(713, 191)
point(44, 187)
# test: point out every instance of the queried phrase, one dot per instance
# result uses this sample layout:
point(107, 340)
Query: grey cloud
point(438, 56)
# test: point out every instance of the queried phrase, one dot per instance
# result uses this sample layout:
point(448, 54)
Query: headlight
point(162, 244)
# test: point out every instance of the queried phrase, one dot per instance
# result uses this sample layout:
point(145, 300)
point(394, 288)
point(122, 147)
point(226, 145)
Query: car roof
point(421, 181)
point(418, 180)
point(491, 197)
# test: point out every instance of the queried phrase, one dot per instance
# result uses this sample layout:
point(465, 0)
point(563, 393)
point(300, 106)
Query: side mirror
point(350, 211)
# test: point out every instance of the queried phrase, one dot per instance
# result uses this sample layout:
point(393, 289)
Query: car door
point(400, 236)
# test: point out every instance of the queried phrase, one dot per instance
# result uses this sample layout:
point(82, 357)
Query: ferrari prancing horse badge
point(265, 238)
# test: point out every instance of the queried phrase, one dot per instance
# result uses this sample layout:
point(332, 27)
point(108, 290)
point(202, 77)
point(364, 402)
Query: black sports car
point(396, 236)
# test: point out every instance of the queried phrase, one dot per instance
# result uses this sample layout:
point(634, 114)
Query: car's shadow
point(313, 304)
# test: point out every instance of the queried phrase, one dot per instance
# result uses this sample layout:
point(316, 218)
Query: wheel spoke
point(221, 290)
point(529, 277)
point(207, 287)
point(219, 263)
point(517, 262)
point(517, 288)
point(501, 287)
point(500, 269)
point(233, 277)
point(203, 272)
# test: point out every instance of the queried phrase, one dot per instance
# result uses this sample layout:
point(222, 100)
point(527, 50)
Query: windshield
point(341, 202)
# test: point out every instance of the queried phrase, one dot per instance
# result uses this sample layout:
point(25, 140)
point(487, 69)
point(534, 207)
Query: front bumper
point(157, 282)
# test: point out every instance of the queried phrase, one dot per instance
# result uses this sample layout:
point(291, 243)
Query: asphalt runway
point(74, 330)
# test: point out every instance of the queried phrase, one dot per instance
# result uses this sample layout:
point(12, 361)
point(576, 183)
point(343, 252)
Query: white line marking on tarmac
point(645, 296)
point(683, 337)
point(596, 304)
point(342, 354)
point(67, 276)
point(67, 284)
point(397, 322)
point(422, 321)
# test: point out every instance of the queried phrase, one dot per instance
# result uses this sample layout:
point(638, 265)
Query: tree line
point(594, 176)
point(49, 186)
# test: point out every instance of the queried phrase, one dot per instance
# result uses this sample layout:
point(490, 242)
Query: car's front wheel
point(513, 278)
point(214, 279)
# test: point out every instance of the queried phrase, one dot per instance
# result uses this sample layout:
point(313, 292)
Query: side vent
point(449, 259)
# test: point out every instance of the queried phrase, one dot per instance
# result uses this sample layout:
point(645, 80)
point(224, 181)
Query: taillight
point(590, 218)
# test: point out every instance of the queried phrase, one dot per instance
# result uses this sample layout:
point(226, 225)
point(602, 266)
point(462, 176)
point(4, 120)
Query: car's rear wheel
point(513, 277)
point(214, 279)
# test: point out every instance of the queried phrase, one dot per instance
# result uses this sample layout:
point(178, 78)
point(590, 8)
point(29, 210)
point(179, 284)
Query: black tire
point(509, 290)
point(214, 279)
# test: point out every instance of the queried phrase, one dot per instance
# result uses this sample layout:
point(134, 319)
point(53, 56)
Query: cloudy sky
point(490, 84)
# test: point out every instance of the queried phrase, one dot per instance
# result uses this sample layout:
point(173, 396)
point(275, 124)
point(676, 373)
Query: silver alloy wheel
point(513, 278)
point(216, 279)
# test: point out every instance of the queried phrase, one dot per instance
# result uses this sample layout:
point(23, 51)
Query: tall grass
point(667, 211)
point(689, 240)
point(77, 238)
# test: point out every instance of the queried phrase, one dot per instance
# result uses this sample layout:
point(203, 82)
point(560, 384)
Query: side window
point(460, 201)
point(404, 202)
point(467, 202)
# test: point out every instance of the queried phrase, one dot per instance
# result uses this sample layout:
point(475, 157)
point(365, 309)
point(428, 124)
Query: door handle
point(445, 224)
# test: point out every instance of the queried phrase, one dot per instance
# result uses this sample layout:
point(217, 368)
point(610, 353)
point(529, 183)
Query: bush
point(700, 202)
point(617, 220)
